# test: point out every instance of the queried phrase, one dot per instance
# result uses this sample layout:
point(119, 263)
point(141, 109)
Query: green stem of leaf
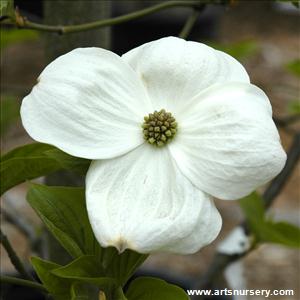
point(15, 260)
point(115, 293)
point(23, 282)
point(24, 23)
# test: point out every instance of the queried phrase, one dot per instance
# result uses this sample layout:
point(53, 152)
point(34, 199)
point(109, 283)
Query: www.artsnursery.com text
point(244, 292)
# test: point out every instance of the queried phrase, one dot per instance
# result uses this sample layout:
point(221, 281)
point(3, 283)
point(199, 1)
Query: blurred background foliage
point(16, 36)
point(9, 112)
point(239, 50)
point(10, 105)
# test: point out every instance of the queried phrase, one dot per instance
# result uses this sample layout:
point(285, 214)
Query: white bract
point(91, 103)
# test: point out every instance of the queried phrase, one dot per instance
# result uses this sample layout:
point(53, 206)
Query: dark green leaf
point(6, 8)
point(88, 271)
point(280, 233)
point(25, 163)
point(267, 230)
point(75, 164)
point(69, 282)
point(147, 288)
point(35, 160)
point(113, 293)
point(294, 67)
point(64, 212)
point(122, 266)
point(58, 287)
point(84, 291)
point(93, 288)
point(87, 266)
point(253, 207)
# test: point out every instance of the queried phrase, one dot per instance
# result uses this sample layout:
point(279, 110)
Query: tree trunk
point(68, 12)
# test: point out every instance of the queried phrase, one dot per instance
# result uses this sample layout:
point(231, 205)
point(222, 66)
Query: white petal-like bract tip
point(141, 201)
point(174, 70)
point(227, 143)
point(89, 103)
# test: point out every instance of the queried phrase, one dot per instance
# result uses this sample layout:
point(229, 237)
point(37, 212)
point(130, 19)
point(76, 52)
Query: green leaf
point(59, 288)
point(66, 161)
point(35, 160)
point(25, 163)
point(122, 266)
point(93, 288)
point(280, 233)
point(84, 291)
point(72, 282)
point(63, 210)
point(86, 266)
point(239, 50)
point(147, 288)
point(14, 36)
point(64, 213)
point(266, 230)
point(294, 67)
point(113, 293)
point(88, 271)
point(253, 207)
point(6, 8)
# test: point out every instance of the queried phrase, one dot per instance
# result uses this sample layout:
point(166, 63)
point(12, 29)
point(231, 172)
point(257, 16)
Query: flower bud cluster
point(159, 128)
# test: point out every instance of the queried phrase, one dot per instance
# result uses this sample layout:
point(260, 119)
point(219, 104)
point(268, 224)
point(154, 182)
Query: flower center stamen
point(159, 128)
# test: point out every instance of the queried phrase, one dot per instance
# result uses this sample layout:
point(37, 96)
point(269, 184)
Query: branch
point(221, 260)
point(190, 22)
point(35, 240)
point(286, 121)
point(23, 282)
point(24, 23)
point(278, 182)
point(15, 260)
point(11, 216)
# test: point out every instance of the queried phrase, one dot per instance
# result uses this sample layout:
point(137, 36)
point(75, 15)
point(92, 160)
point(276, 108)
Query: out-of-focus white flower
point(150, 189)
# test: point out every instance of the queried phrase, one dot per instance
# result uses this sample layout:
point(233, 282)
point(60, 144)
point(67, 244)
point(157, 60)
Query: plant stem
point(23, 282)
point(24, 23)
point(190, 22)
point(15, 260)
point(113, 293)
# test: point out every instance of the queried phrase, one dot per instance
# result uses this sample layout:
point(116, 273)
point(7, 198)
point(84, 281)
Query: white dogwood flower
point(169, 125)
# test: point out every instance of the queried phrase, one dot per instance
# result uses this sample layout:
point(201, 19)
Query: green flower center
point(159, 128)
